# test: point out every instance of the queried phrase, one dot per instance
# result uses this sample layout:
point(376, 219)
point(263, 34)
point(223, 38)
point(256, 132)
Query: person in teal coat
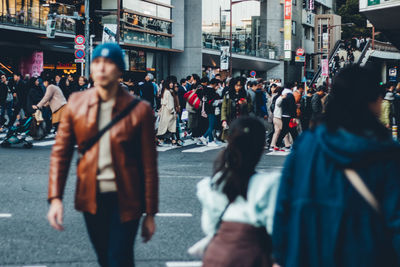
point(321, 219)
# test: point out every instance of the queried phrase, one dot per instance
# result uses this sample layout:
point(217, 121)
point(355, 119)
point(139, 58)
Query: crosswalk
point(189, 146)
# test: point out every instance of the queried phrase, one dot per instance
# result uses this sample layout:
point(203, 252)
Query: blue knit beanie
point(111, 51)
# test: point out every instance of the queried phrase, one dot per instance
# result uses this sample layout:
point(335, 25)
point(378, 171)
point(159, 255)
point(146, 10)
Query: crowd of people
point(335, 203)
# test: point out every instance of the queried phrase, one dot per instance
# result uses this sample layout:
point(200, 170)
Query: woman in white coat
point(167, 113)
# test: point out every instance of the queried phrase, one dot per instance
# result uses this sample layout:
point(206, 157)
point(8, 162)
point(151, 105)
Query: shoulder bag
point(92, 141)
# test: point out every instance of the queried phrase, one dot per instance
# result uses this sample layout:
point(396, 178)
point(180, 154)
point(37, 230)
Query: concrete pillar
point(189, 61)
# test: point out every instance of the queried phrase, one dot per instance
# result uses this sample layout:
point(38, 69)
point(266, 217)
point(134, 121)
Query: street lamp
point(230, 30)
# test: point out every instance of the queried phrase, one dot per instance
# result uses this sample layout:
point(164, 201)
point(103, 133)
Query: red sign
point(253, 73)
point(300, 52)
point(80, 40)
point(325, 67)
point(288, 9)
point(79, 53)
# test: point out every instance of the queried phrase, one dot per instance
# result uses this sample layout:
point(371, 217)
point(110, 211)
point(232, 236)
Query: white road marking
point(184, 264)
point(47, 143)
point(5, 215)
point(183, 176)
point(174, 215)
point(34, 266)
point(278, 153)
point(166, 148)
point(202, 149)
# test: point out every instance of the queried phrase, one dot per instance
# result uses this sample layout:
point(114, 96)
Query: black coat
point(34, 96)
point(147, 92)
point(22, 93)
point(289, 106)
point(3, 94)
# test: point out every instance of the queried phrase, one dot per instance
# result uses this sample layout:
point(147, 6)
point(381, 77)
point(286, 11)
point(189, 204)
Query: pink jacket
point(54, 97)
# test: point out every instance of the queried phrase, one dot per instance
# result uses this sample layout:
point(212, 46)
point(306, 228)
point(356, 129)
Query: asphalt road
point(26, 239)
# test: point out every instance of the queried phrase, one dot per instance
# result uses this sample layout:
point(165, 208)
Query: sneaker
point(287, 149)
point(213, 144)
point(271, 149)
point(203, 140)
point(277, 149)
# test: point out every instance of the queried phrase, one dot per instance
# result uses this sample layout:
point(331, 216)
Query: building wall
point(190, 61)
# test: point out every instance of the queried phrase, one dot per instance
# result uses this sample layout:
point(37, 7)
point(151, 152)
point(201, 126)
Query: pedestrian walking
point(6, 100)
point(338, 201)
point(306, 110)
point(82, 83)
point(236, 103)
point(55, 99)
point(147, 89)
point(117, 171)
point(167, 113)
point(288, 115)
point(238, 202)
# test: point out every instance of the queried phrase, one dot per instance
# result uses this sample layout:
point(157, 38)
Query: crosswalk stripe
point(5, 215)
point(202, 149)
point(166, 148)
point(278, 153)
point(184, 264)
point(46, 143)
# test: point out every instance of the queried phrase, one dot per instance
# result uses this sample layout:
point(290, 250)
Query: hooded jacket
point(321, 219)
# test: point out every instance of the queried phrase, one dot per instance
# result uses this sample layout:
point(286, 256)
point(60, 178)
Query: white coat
point(167, 114)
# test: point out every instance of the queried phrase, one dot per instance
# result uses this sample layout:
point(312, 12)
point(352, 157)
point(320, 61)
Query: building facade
point(24, 46)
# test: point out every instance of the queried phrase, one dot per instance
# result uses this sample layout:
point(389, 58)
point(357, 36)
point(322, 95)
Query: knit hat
point(111, 51)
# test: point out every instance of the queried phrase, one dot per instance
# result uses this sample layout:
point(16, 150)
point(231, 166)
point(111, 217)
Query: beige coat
point(54, 97)
point(167, 114)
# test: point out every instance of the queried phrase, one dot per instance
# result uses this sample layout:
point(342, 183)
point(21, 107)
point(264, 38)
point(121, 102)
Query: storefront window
point(137, 60)
point(33, 13)
point(246, 28)
point(146, 23)
point(147, 39)
point(147, 8)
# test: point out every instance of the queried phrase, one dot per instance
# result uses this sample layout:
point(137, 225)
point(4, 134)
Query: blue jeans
point(112, 240)
point(211, 124)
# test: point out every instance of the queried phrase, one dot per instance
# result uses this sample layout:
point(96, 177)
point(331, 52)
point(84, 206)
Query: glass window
point(163, 12)
point(168, 2)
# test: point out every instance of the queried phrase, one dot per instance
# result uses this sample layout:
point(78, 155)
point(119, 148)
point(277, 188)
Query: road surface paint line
point(48, 143)
point(202, 149)
point(183, 176)
point(166, 148)
point(174, 215)
point(34, 266)
point(184, 264)
point(278, 153)
point(5, 215)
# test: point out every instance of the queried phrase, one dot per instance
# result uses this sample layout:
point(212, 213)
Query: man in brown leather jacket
point(117, 177)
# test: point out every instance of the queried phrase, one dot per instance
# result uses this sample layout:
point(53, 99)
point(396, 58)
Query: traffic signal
point(51, 28)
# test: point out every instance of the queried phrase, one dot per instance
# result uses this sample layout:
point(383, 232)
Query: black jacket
point(210, 96)
point(316, 105)
point(289, 106)
point(3, 93)
point(306, 107)
point(147, 92)
point(22, 93)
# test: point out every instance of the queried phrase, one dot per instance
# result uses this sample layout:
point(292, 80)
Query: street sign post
point(300, 59)
point(79, 60)
point(80, 53)
point(253, 73)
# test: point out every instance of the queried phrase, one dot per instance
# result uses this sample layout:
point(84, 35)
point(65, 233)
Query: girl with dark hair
point(167, 113)
point(236, 103)
point(35, 94)
point(238, 203)
point(276, 109)
point(339, 198)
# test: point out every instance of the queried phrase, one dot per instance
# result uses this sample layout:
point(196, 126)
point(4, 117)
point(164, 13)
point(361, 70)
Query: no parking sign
point(253, 73)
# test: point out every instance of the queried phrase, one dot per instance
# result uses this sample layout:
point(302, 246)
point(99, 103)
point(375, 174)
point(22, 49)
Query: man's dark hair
point(204, 80)
point(182, 81)
point(196, 77)
point(188, 78)
point(216, 75)
point(215, 81)
point(321, 88)
point(17, 73)
point(288, 85)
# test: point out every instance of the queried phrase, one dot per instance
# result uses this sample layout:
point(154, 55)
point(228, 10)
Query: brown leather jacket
point(133, 148)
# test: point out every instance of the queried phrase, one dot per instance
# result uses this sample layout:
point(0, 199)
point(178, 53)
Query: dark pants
point(7, 107)
point(286, 129)
point(112, 240)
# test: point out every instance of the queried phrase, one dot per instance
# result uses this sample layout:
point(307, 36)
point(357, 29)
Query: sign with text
point(287, 29)
point(80, 40)
point(325, 67)
point(224, 59)
point(300, 59)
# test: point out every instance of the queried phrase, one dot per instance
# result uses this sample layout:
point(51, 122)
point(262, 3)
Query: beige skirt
point(56, 117)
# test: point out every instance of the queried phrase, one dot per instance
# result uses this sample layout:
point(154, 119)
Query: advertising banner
point(287, 30)
point(224, 58)
point(325, 67)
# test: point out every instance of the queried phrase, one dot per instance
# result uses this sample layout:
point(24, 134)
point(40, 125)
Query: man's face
point(57, 79)
point(105, 72)
point(3, 78)
point(16, 78)
point(147, 78)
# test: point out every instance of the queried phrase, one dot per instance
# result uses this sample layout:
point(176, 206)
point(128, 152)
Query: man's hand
point(34, 107)
point(148, 228)
point(55, 214)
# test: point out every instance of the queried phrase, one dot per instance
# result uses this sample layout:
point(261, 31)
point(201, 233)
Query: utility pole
point(230, 40)
point(87, 37)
